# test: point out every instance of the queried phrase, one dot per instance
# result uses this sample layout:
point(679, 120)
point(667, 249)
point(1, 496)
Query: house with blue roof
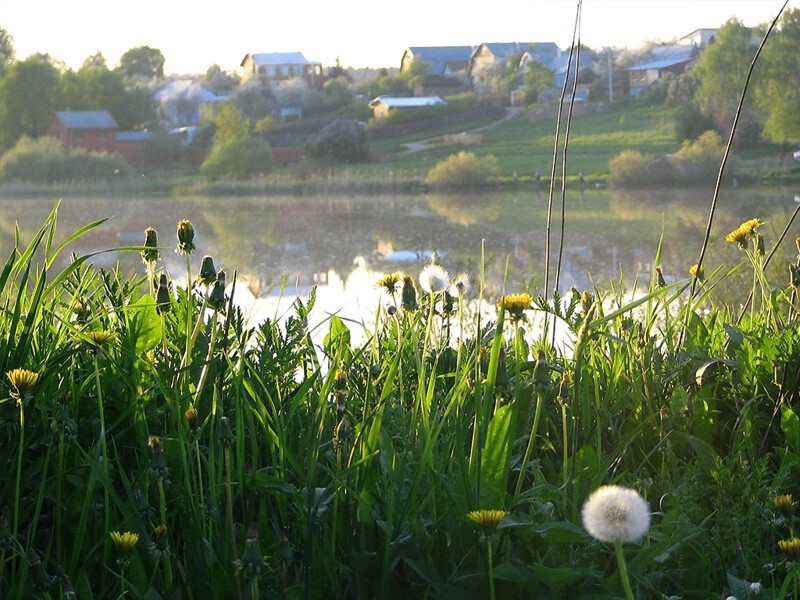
point(180, 103)
point(447, 68)
point(662, 62)
point(276, 67)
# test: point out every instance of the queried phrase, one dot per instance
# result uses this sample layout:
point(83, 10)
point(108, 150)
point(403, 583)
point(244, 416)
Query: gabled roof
point(662, 57)
point(186, 89)
point(438, 57)
point(396, 102)
point(277, 58)
point(87, 119)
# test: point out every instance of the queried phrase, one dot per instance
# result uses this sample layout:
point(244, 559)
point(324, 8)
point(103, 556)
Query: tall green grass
point(252, 462)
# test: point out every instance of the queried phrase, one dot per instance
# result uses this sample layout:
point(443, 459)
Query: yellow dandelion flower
point(790, 547)
point(698, 271)
point(98, 338)
point(124, 542)
point(390, 281)
point(22, 379)
point(488, 519)
point(161, 529)
point(514, 304)
point(740, 235)
point(783, 504)
point(751, 225)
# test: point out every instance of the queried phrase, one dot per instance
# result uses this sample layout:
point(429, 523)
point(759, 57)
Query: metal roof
point(658, 64)
point(279, 58)
point(87, 119)
point(438, 57)
point(396, 102)
point(134, 136)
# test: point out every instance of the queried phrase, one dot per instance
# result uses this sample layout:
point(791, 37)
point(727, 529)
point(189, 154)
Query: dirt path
point(419, 145)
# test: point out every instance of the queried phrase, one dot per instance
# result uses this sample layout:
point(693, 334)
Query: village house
point(96, 131)
point(180, 103)
point(277, 67)
point(668, 60)
point(382, 106)
point(447, 68)
point(664, 61)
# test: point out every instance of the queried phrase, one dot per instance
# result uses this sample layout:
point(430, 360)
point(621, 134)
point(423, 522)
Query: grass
point(241, 460)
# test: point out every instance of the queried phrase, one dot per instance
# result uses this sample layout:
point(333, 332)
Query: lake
point(343, 244)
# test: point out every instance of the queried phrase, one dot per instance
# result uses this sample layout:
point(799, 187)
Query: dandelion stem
point(623, 571)
point(490, 559)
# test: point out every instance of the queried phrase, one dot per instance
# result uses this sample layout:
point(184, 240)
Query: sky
point(361, 33)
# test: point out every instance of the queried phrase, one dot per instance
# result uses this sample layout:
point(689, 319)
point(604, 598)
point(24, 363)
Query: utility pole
point(610, 76)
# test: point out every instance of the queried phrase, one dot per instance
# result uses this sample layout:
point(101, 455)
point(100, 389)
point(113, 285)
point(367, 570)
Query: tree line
point(704, 98)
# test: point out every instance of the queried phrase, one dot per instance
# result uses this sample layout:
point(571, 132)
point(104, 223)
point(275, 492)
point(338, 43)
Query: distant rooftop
point(87, 119)
point(398, 102)
point(278, 58)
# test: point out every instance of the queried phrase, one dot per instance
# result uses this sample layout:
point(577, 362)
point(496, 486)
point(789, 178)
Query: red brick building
point(96, 130)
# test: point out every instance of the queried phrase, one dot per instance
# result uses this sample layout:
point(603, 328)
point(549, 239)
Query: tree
point(720, 71)
point(343, 141)
point(29, 96)
point(338, 71)
point(6, 51)
point(537, 79)
point(142, 61)
point(777, 92)
point(95, 87)
point(242, 157)
point(254, 100)
point(229, 124)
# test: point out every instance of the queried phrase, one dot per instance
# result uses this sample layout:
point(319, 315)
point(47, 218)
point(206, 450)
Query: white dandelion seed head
point(755, 588)
point(434, 279)
point(460, 286)
point(616, 514)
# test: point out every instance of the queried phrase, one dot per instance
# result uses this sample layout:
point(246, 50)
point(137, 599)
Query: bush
point(629, 168)
point(342, 141)
point(701, 156)
point(239, 158)
point(46, 161)
point(464, 170)
point(690, 121)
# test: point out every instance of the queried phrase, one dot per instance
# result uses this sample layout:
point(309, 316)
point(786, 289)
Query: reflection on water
point(343, 244)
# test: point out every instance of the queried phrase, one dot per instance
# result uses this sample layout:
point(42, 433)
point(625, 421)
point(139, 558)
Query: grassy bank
point(156, 445)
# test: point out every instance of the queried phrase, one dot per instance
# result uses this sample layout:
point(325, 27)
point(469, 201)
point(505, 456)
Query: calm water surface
point(344, 244)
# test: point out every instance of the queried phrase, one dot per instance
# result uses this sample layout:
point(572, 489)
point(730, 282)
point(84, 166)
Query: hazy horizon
point(193, 38)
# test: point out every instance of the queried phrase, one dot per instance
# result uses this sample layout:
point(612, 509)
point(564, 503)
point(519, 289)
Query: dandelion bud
point(660, 278)
point(760, 249)
point(216, 299)
point(208, 272)
point(225, 436)
point(191, 416)
point(343, 429)
point(587, 300)
point(563, 388)
point(409, 294)
point(150, 252)
point(185, 237)
point(794, 275)
point(541, 371)
point(163, 299)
